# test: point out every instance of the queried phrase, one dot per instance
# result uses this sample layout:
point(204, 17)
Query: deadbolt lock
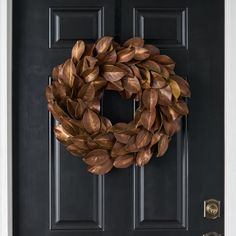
point(211, 209)
point(212, 234)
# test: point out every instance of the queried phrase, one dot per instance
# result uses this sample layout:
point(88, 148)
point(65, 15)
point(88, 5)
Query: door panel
point(53, 192)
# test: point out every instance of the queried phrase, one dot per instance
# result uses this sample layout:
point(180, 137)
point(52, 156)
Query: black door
point(53, 192)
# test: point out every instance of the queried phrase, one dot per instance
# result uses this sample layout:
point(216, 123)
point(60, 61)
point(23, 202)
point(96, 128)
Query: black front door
point(53, 192)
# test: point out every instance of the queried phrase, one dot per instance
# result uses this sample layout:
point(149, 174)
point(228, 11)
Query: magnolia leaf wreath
point(136, 71)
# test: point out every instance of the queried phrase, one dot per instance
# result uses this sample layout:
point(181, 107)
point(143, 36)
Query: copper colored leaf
point(155, 138)
point(80, 108)
point(87, 92)
point(152, 49)
point(56, 71)
point(180, 107)
point(163, 59)
point(105, 140)
point(169, 113)
point(49, 94)
point(80, 141)
point(101, 169)
point(131, 145)
point(118, 150)
point(71, 107)
point(96, 157)
point(183, 85)
point(90, 74)
point(106, 123)
point(74, 150)
point(171, 127)
point(131, 85)
point(143, 157)
point(125, 55)
point(56, 110)
point(122, 138)
point(134, 42)
point(163, 145)
point(120, 127)
point(124, 161)
point(69, 126)
point(99, 83)
point(151, 65)
point(94, 104)
point(103, 44)
point(115, 86)
point(91, 121)
point(157, 80)
point(165, 96)
point(143, 138)
point(136, 71)
point(141, 53)
point(113, 73)
point(68, 73)
point(62, 135)
point(92, 144)
point(89, 49)
point(175, 88)
point(149, 98)
point(77, 51)
point(126, 68)
point(148, 118)
point(91, 61)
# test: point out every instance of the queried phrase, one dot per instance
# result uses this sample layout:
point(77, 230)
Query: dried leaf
point(175, 88)
point(91, 121)
point(131, 145)
point(124, 161)
point(157, 80)
point(96, 157)
point(68, 73)
point(141, 53)
point(165, 96)
point(87, 92)
point(80, 108)
point(103, 44)
point(90, 74)
point(115, 86)
point(80, 141)
point(163, 59)
point(106, 123)
point(134, 42)
point(62, 135)
point(105, 140)
point(183, 85)
point(71, 107)
point(56, 110)
point(180, 107)
point(143, 157)
point(163, 145)
point(171, 127)
point(118, 150)
point(94, 105)
point(49, 94)
point(77, 51)
point(131, 85)
point(143, 138)
point(113, 73)
point(101, 169)
point(149, 98)
point(155, 138)
point(74, 150)
point(125, 55)
point(152, 49)
point(151, 65)
point(122, 138)
point(148, 118)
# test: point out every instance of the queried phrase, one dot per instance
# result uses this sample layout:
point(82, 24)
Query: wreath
point(136, 71)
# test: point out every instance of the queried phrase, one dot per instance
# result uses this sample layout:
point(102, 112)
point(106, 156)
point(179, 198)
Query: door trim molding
point(6, 226)
point(230, 117)
point(6, 219)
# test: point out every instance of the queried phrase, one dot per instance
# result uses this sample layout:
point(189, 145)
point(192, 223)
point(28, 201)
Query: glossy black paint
point(53, 192)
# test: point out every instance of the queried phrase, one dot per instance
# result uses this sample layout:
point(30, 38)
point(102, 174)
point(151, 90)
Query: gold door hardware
point(211, 209)
point(212, 234)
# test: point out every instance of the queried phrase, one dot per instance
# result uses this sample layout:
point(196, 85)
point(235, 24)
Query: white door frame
point(6, 118)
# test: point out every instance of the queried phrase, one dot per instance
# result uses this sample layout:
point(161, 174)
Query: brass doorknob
point(211, 209)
